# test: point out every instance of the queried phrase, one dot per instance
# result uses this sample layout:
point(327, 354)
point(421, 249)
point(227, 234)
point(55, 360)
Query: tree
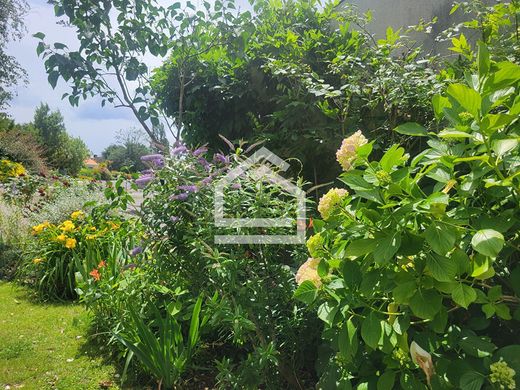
point(127, 153)
point(11, 28)
point(115, 37)
point(298, 76)
point(63, 152)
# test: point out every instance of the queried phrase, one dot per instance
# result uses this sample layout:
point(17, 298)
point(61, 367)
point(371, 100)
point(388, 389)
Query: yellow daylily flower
point(37, 261)
point(77, 214)
point(70, 243)
point(67, 226)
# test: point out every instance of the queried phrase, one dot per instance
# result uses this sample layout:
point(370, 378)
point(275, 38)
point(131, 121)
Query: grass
point(44, 346)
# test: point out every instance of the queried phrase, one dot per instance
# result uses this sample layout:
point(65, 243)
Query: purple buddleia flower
point(151, 157)
point(206, 180)
point(179, 150)
point(174, 219)
point(202, 161)
point(220, 158)
point(236, 186)
point(189, 188)
point(144, 180)
point(159, 163)
point(147, 172)
point(182, 196)
point(199, 151)
point(137, 250)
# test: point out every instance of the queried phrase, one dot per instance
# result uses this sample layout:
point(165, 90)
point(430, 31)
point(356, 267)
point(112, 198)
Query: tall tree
point(11, 28)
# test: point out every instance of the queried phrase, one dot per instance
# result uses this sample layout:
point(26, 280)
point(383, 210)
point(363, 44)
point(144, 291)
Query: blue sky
point(96, 125)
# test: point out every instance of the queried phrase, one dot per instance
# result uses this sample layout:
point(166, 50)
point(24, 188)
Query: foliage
point(126, 154)
point(419, 263)
point(297, 75)
point(11, 28)
point(167, 354)
point(118, 36)
point(63, 152)
point(21, 146)
point(13, 238)
point(9, 169)
point(254, 319)
point(74, 245)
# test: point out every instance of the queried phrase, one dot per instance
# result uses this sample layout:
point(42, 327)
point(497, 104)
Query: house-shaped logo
point(256, 167)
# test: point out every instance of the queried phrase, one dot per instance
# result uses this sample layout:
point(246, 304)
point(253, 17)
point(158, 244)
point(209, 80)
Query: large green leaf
point(489, 242)
point(426, 303)
point(387, 247)
point(371, 330)
point(468, 98)
point(306, 292)
point(463, 295)
point(441, 268)
point(411, 128)
point(471, 381)
point(440, 237)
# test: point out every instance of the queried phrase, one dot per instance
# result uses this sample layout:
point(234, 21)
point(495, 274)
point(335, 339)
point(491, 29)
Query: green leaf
point(348, 340)
point(463, 295)
point(386, 247)
point(386, 381)
point(468, 98)
point(471, 381)
point(391, 158)
point(404, 291)
point(411, 128)
point(483, 59)
point(440, 237)
point(306, 292)
point(488, 242)
point(508, 73)
point(39, 35)
point(426, 303)
point(327, 311)
point(53, 78)
point(441, 268)
point(439, 103)
point(371, 330)
point(360, 247)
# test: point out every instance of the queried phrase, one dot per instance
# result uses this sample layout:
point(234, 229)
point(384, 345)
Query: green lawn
point(44, 346)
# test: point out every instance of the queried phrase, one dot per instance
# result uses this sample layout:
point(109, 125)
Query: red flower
point(95, 274)
point(102, 264)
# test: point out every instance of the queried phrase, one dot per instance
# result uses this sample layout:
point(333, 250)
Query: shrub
point(9, 169)
point(418, 263)
point(254, 319)
point(76, 245)
point(21, 146)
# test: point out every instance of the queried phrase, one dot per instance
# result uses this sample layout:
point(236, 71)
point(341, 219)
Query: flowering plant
point(415, 269)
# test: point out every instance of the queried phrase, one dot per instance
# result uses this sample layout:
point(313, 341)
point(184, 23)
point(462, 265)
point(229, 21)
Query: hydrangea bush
point(414, 269)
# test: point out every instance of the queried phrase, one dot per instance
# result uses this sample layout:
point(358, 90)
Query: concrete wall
point(404, 13)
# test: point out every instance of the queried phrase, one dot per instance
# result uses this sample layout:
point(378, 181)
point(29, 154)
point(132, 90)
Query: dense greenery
point(11, 28)
point(126, 154)
point(419, 263)
point(297, 75)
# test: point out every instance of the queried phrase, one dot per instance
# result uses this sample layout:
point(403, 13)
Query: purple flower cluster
point(220, 158)
point(202, 161)
point(137, 250)
point(144, 180)
point(188, 188)
point(157, 160)
point(200, 151)
point(181, 196)
point(179, 149)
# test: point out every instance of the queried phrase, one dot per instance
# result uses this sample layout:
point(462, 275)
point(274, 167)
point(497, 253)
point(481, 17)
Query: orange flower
point(95, 274)
point(311, 223)
point(102, 264)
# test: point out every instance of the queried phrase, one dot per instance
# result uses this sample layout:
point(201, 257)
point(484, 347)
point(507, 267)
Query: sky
point(96, 125)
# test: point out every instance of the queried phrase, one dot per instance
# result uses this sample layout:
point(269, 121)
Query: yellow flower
point(309, 271)
point(91, 236)
point(67, 226)
point(330, 200)
point(77, 214)
point(40, 228)
point(347, 152)
point(113, 225)
point(61, 238)
point(70, 243)
point(37, 261)
point(92, 229)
